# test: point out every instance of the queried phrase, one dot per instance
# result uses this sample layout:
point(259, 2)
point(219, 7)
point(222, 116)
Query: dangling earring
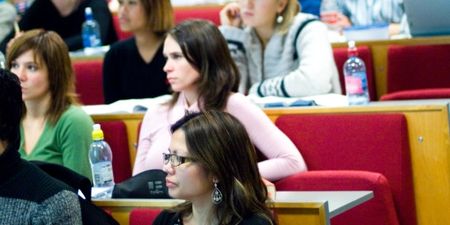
point(216, 195)
point(280, 18)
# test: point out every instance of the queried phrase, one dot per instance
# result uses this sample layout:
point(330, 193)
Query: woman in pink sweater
point(204, 78)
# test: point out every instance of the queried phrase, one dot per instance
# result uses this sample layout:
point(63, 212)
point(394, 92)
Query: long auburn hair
point(49, 49)
point(220, 144)
point(206, 50)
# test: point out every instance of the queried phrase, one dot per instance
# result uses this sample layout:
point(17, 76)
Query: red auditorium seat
point(143, 216)
point(355, 152)
point(340, 56)
point(418, 70)
point(210, 13)
point(89, 81)
point(116, 135)
point(430, 93)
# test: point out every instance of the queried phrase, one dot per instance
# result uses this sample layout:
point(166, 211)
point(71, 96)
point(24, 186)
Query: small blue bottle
point(355, 77)
point(90, 30)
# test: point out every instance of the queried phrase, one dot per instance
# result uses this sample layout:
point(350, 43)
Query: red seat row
point(348, 152)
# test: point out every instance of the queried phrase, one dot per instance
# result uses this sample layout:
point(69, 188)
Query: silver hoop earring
point(216, 195)
point(280, 19)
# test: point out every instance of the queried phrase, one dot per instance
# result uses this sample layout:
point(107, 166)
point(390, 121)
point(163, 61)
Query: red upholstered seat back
point(143, 216)
point(418, 67)
point(368, 142)
point(430, 93)
point(89, 81)
point(210, 13)
point(378, 210)
point(116, 135)
point(340, 56)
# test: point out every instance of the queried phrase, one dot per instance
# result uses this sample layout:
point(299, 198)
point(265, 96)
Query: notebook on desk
point(428, 17)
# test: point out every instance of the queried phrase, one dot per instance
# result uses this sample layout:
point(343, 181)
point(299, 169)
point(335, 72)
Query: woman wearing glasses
point(205, 78)
point(218, 190)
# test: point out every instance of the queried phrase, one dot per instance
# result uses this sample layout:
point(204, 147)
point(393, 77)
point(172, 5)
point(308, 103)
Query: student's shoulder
point(167, 217)
point(121, 46)
point(75, 112)
point(75, 116)
point(237, 100)
point(35, 185)
point(305, 18)
point(255, 219)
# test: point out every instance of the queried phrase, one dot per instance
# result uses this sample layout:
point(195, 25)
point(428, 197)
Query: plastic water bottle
point(2, 61)
point(90, 30)
point(355, 77)
point(100, 158)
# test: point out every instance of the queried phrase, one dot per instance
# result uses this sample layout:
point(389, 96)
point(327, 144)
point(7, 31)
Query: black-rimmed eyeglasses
point(176, 160)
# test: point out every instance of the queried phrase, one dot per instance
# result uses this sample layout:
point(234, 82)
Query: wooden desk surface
point(338, 201)
point(326, 203)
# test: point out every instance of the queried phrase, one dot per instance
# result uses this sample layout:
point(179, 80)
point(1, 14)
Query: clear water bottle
point(100, 158)
point(90, 30)
point(355, 77)
point(2, 61)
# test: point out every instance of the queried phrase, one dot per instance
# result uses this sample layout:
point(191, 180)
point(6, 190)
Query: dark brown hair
point(11, 106)
point(220, 144)
point(206, 50)
point(49, 49)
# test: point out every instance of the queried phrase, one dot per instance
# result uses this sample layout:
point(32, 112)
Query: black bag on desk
point(148, 184)
point(90, 213)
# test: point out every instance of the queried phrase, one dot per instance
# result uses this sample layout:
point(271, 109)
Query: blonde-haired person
point(206, 78)
point(211, 163)
point(133, 68)
point(279, 51)
point(53, 128)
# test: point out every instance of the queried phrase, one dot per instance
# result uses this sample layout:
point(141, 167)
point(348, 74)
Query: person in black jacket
point(65, 17)
point(27, 194)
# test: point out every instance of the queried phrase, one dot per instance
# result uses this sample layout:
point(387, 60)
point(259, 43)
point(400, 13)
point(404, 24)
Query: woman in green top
point(53, 129)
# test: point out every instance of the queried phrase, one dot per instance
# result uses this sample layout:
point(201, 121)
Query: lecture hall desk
point(292, 208)
point(428, 128)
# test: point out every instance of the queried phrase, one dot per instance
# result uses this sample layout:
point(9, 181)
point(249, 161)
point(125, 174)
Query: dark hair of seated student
point(27, 194)
point(211, 163)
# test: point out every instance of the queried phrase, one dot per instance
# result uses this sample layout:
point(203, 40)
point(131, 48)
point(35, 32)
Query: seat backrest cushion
point(116, 135)
point(340, 56)
point(89, 81)
point(430, 93)
point(369, 142)
point(143, 216)
point(210, 13)
point(378, 210)
point(418, 67)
